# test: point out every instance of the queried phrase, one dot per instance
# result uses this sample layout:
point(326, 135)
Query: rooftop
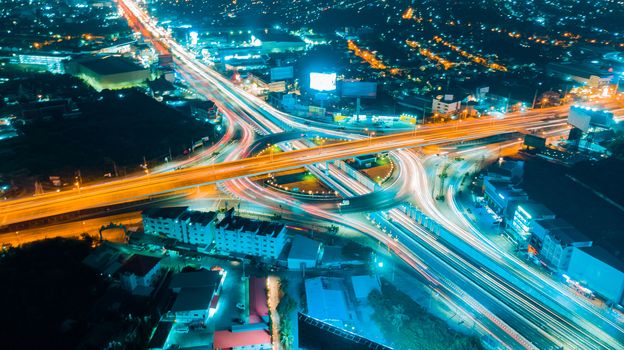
point(304, 248)
point(237, 223)
point(194, 279)
point(605, 256)
point(159, 339)
point(535, 210)
point(165, 213)
point(198, 217)
point(227, 339)
point(363, 285)
point(190, 299)
point(563, 231)
point(505, 188)
point(316, 334)
point(110, 65)
point(139, 265)
point(332, 255)
point(326, 299)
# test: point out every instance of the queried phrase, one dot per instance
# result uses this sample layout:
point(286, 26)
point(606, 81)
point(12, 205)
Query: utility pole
point(534, 99)
point(115, 169)
point(38, 188)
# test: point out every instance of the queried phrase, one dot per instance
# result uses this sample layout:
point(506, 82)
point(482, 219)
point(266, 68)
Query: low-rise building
point(559, 240)
point(600, 271)
point(507, 169)
point(590, 75)
point(502, 197)
point(193, 305)
point(525, 214)
point(304, 253)
point(186, 226)
point(108, 72)
point(445, 104)
point(258, 339)
point(235, 234)
point(164, 221)
point(53, 63)
point(327, 300)
point(363, 285)
point(230, 235)
point(140, 273)
point(197, 295)
point(105, 259)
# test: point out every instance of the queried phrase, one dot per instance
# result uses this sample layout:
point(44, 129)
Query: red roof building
point(254, 339)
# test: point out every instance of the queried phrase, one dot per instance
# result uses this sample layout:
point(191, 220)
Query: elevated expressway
point(143, 187)
point(254, 116)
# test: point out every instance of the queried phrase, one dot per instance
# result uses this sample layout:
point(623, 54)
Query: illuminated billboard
point(352, 88)
point(323, 81)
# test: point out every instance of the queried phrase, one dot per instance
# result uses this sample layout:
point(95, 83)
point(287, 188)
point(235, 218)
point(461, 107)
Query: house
point(197, 294)
point(140, 273)
point(304, 253)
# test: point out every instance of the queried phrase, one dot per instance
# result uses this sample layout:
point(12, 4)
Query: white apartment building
point(187, 226)
point(235, 234)
point(232, 234)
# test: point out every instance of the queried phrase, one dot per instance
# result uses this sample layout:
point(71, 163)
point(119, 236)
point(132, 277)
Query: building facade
point(53, 63)
point(186, 226)
point(445, 104)
point(239, 235)
point(525, 214)
point(230, 234)
point(502, 197)
point(140, 273)
point(598, 270)
point(559, 242)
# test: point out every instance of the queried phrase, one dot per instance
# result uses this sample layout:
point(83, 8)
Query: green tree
point(398, 317)
point(286, 335)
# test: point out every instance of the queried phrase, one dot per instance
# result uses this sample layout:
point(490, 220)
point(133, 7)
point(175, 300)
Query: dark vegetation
point(410, 326)
point(51, 301)
point(112, 134)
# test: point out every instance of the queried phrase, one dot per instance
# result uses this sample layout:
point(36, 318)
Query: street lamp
point(370, 137)
point(416, 127)
point(270, 151)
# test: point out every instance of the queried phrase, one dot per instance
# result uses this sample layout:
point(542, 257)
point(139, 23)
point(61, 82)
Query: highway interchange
point(503, 297)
